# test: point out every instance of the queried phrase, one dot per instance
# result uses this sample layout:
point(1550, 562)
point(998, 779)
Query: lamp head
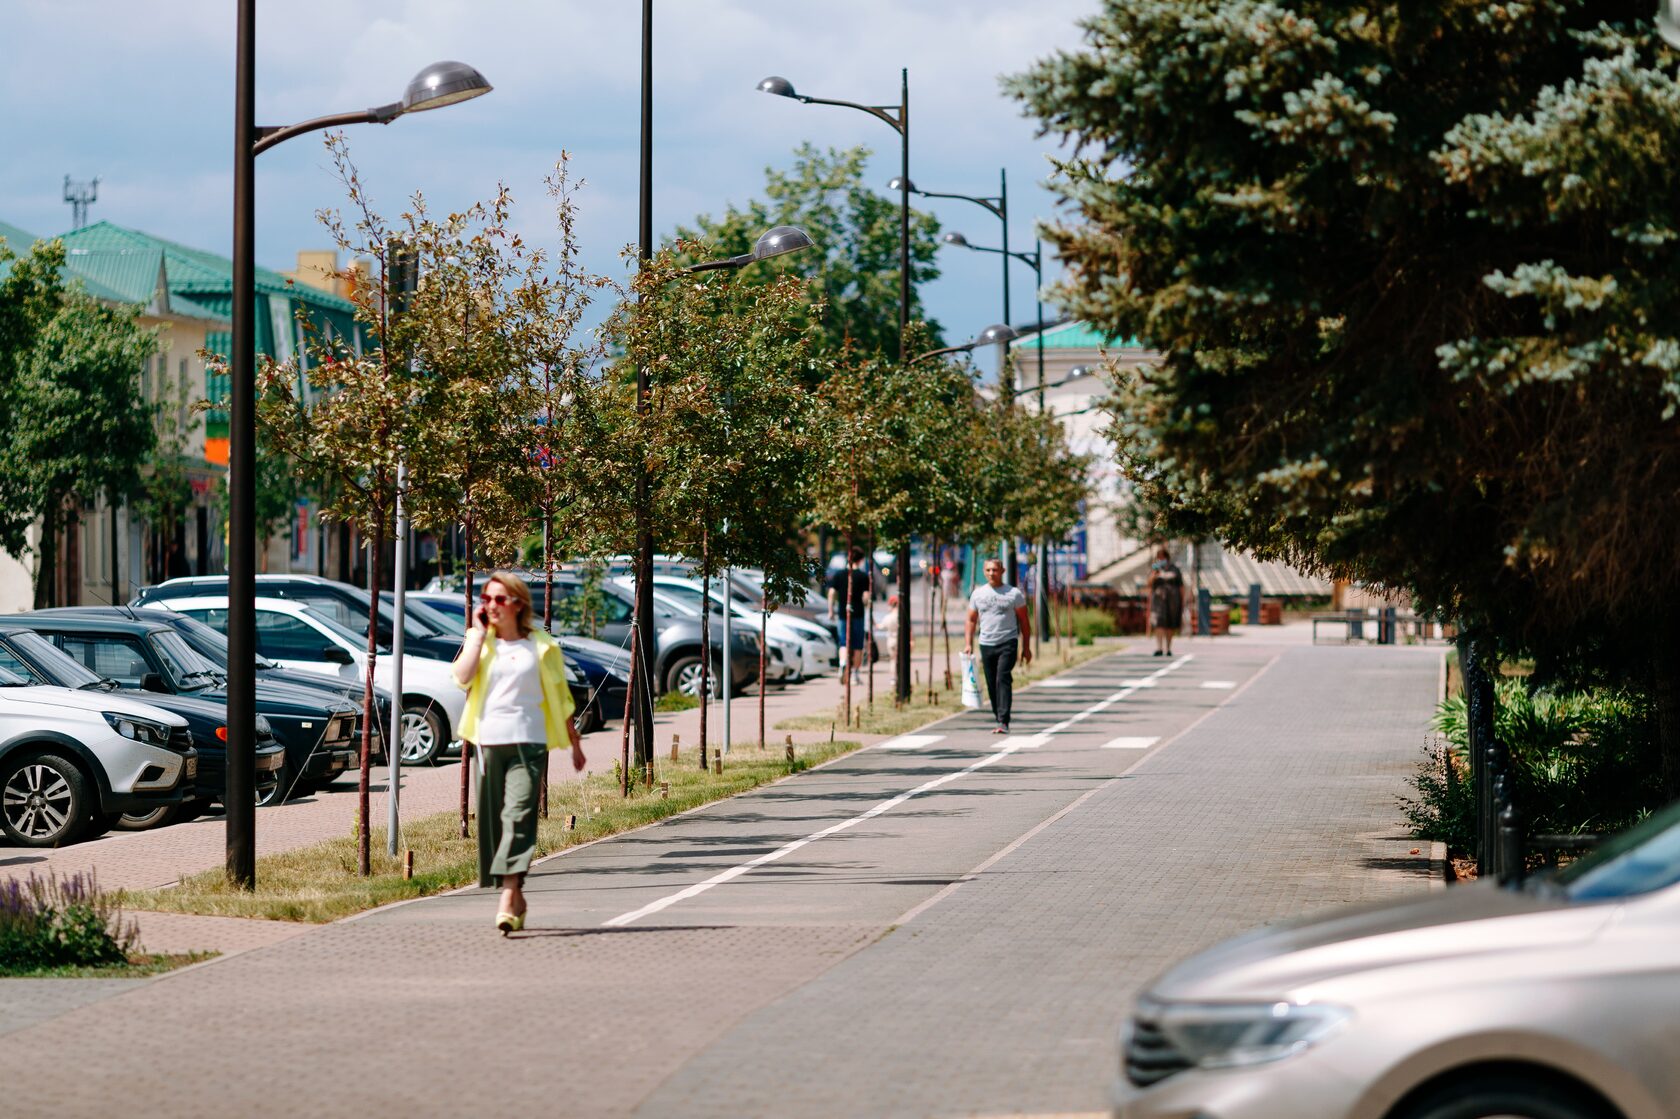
point(781, 87)
point(1078, 371)
point(1668, 23)
point(955, 239)
point(996, 334)
point(443, 83)
point(899, 182)
point(780, 240)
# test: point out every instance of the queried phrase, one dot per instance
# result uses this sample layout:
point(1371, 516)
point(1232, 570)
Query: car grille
point(1151, 1056)
point(180, 739)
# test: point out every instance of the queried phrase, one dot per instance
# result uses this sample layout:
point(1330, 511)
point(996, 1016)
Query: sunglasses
point(498, 599)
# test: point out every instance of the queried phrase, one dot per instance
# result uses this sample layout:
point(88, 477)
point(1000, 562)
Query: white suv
point(72, 762)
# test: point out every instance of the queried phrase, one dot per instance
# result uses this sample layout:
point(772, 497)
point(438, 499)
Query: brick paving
point(788, 990)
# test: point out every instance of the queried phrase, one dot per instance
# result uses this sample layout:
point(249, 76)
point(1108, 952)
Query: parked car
point(343, 603)
point(138, 652)
point(213, 647)
point(1554, 1000)
point(296, 636)
point(72, 762)
point(807, 648)
point(604, 669)
point(35, 658)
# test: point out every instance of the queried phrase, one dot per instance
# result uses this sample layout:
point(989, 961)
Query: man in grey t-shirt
point(998, 614)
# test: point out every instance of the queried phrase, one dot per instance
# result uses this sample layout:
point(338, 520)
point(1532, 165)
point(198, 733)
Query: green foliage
point(54, 923)
point(1584, 761)
point(1409, 269)
point(854, 266)
point(676, 701)
point(1090, 623)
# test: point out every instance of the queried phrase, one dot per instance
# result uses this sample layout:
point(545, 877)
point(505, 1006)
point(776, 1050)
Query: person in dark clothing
point(1166, 601)
point(849, 594)
point(998, 615)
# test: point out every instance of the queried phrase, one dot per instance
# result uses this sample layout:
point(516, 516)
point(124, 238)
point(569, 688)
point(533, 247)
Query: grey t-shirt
point(998, 624)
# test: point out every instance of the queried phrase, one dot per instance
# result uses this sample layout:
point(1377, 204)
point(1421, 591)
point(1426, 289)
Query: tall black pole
point(1038, 335)
point(643, 699)
point(240, 799)
point(901, 662)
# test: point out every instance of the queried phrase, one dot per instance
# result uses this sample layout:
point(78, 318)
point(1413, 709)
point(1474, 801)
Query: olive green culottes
point(507, 809)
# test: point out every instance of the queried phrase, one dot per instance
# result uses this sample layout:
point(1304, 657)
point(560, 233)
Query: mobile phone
point(483, 618)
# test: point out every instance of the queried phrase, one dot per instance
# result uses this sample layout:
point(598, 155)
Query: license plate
point(192, 767)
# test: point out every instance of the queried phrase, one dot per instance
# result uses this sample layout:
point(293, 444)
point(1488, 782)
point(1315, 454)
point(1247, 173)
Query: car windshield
point(55, 664)
point(7, 680)
point(1644, 858)
point(186, 669)
point(439, 622)
point(357, 641)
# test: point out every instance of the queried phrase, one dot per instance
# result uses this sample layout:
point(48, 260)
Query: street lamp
point(1668, 22)
point(998, 206)
point(776, 241)
point(897, 117)
point(442, 83)
point(998, 334)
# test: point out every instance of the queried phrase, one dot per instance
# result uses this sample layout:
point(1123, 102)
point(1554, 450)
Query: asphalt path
point(949, 923)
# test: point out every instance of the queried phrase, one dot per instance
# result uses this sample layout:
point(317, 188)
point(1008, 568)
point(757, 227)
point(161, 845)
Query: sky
point(141, 95)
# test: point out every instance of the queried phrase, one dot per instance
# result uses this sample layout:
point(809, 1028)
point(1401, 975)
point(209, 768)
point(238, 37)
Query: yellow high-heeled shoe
point(510, 922)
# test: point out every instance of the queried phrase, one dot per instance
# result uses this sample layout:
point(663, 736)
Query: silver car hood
point(1469, 920)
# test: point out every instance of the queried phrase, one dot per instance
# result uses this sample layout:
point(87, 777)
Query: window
point(10, 663)
point(283, 637)
point(333, 607)
point(115, 658)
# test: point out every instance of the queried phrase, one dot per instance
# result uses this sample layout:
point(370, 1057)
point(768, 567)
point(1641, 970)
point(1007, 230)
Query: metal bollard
point(676, 743)
point(664, 790)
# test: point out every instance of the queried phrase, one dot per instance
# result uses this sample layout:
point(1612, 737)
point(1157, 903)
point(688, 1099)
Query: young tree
point(79, 427)
point(30, 294)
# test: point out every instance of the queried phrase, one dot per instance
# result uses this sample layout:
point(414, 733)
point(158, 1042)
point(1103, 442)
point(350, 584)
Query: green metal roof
point(19, 242)
point(1076, 335)
point(192, 272)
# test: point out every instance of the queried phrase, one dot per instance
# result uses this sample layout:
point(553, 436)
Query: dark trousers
point(998, 662)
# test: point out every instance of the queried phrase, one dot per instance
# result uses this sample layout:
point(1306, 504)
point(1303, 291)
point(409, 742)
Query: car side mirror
point(332, 654)
point(152, 682)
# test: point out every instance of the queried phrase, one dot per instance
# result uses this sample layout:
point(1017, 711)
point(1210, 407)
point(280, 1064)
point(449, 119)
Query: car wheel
point(158, 817)
point(684, 676)
point(278, 792)
point(423, 733)
point(43, 801)
point(1503, 1097)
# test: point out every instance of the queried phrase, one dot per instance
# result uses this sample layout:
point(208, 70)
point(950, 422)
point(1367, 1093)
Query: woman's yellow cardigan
point(557, 703)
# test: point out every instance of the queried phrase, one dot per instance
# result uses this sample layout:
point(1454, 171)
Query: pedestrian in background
point(518, 708)
point(1166, 601)
point(849, 593)
point(997, 614)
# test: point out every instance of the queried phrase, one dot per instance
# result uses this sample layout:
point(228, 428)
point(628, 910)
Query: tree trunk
point(763, 631)
point(46, 574)
point(363, 830)
point(848, 624)
point(705, 637)
point(869, 634)
point(1665, 693)
point(933, 589)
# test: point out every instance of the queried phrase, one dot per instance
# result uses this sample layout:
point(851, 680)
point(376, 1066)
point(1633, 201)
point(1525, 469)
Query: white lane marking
point(1022, 742)
point(1130, 743)
point(1060, 682)
point(1131, 687)
point(1219, 685)
point(887, 805)
point(910, 742)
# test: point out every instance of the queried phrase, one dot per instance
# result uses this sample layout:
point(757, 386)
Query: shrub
point(51, 923)
point(1582, 761)
point(676, 701)
point(1090, 623)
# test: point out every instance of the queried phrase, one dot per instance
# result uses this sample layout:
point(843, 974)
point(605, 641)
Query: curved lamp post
point(442, 83)
point(897, 117)
point(776, 241)
point(998, 334)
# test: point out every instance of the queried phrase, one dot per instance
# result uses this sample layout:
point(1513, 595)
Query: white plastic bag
point(970, 682)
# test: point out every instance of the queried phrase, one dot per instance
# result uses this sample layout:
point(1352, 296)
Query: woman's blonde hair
point(520, 593)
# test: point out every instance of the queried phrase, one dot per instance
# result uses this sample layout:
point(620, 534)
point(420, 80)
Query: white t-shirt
point(513, 703)
point(998, 623)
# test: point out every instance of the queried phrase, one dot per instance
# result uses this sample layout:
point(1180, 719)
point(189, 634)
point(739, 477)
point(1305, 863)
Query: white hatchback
point(297, 636)
point(71, 762)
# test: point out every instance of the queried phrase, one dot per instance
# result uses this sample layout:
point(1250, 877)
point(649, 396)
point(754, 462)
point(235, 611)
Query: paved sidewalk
point(949, 926)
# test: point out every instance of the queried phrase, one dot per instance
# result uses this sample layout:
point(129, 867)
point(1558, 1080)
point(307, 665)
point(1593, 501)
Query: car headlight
point(1235, 1035)
point(138, 730)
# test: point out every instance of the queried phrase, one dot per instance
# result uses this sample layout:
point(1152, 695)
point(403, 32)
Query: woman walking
point(518, 708)
point(1166, 601)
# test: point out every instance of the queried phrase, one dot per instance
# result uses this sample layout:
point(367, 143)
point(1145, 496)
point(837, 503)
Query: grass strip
point(319, 883)
point(884, 718)
point(139, 966)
